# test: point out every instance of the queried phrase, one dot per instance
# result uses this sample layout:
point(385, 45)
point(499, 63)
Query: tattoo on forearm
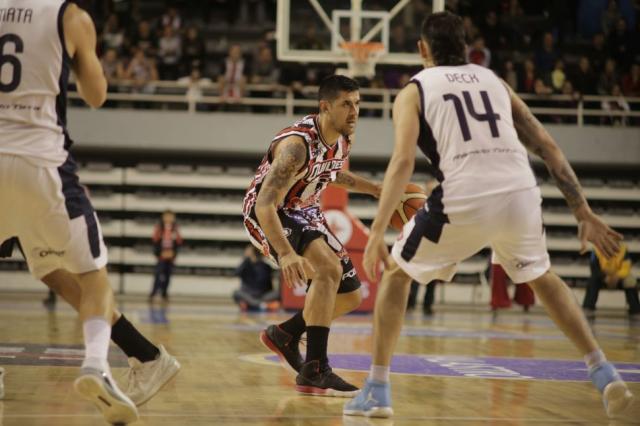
point(535, 138)
point(345, 180)
point(284, 167)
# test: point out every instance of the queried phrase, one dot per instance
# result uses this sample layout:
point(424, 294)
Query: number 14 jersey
point(467, 133)
point(34, 69)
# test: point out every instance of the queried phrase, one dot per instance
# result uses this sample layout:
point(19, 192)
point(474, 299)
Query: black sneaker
point(316, 378)
point(280, 342)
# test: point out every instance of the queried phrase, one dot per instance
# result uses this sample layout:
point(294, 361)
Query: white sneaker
point(96, 386)
point(146, 378)
point(1, 383)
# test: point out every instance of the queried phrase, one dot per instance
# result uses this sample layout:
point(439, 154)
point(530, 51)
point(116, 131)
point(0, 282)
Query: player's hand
point(593, 229)
point(374, 252)
point(294, 268)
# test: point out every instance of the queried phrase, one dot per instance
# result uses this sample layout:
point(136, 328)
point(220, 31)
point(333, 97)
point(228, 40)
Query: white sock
point(594, 359)
point(97, 334)
point(379, 373)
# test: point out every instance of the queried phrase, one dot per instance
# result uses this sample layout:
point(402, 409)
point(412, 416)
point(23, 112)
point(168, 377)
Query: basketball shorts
point(50, 213)
point(302, 227)
point(431, 245)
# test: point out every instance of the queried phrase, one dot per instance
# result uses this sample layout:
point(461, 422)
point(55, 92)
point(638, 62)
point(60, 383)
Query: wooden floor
point(461, 366)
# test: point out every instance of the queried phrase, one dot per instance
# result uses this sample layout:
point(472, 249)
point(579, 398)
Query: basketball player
point(474, 130)
point(50, 213)
point(150, 366)
point(283, 219)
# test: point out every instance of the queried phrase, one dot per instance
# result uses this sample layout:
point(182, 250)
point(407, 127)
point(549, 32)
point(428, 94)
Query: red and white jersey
point(324, 161)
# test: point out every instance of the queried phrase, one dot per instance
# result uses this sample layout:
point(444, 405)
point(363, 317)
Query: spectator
point(585, 79)
point(193, 49)
point(610, 17)
point(615, 104)
point(142, 71)
point(232, 81)
point(264, 70)
point(195, 83)
point(145, 39)
point(256, 291)
point(598, 53)
point(429, 296)
point(492, 31)
point(478, 53)
point(169, 53)
point(311, 41)
point(529, 77)
point(112, 66)
point(112, 34)
point(614, 273)
point(608, 78)
point(620, 44)
point(398, 41)
point(567, 90)
point(546, 56)
point(171, 18)
point(558, 77)
point(470, 29)
point(523, 295)
point(540, 88)
point(166, 241)
point(510, 75)
point(631, 82)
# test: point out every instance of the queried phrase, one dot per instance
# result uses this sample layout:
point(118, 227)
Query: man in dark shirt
point(256, 291)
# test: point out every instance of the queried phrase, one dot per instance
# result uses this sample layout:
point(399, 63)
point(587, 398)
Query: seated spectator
point(510, 75)
point(584, 80)
point(470, 29)
point(598, 52)
point(546, 56)
point(142, 71)
point(256, 291)
point(608, 78)
point(528, 79)
point(398, 41)
point(264, 70)
point(523, 295)
point(112, 36)
point(195, 83)
point(540, 88)
point(169, 53)
point(631, 82)
point(192, 49)
point(172, 19)
point(620, 44)
point(478, 53)
point(558, 77)
point(567, 89)
point(492, 31)
point(145, 39)
point(232, 81)
point(429, 296)
point(617, 104)
point(614, 273)
point(112, 66)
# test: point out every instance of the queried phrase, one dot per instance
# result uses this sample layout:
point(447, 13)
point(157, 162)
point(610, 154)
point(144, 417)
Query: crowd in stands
point(573, 47)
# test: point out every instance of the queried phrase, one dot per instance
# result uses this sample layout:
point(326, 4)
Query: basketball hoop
point(362, 57)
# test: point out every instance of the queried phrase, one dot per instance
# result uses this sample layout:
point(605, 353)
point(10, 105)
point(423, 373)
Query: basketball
point(413, 199)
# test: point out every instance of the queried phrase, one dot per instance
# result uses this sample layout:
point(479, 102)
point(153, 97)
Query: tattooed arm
point(351, 181)
point(289, 157)
point(538, 141)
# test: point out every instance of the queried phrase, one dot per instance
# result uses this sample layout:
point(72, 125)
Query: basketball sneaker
point(146, 378)
point(96, 386)
point(373, 401)
point(280, 342)
point(317, 378)
point(615, 394)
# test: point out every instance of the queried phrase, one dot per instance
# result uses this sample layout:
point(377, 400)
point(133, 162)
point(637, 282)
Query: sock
point(295, 326)
point(96, 342)
point(379, 373)
point(132, 343)
point(317, 341)
point(594, 359)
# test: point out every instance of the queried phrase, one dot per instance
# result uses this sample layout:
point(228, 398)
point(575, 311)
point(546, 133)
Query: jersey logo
point(322, 167)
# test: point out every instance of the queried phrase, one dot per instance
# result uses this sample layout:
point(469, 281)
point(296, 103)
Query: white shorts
point(429, 248)
point(50, 213)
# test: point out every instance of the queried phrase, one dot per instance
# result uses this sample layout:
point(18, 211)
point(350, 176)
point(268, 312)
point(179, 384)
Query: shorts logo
point(287, 232)
point(48, 252)
point(522, 264)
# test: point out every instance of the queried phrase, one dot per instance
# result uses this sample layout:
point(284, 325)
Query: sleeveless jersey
point(33, 81)
point(322, 166)
point(467, 133)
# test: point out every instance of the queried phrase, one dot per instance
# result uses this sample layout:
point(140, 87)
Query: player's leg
point(151, 366)
point(315, 376)
point(520, 247)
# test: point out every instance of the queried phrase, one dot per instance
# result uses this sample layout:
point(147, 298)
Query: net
point(362, 57)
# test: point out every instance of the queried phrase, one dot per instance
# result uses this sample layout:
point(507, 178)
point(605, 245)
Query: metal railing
point(377, 102)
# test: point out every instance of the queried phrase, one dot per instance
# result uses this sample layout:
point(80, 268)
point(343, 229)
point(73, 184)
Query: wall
point(250, 134)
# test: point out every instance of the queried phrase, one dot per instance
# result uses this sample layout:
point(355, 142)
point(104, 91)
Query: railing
point(561, 109)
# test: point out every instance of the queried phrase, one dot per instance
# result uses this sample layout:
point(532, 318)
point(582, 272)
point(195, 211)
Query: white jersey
point(33, 80)
point(467, 133)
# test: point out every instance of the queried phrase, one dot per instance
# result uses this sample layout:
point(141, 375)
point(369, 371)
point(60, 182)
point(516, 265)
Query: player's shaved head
point(331, 87)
